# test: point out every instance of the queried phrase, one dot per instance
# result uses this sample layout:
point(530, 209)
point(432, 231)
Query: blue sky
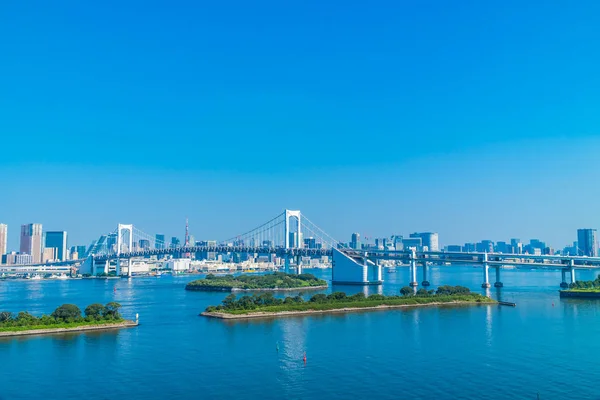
point(475, 119)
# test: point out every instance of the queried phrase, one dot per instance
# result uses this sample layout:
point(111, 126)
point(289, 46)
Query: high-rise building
point(412, 242)
point(3, 239)
point(175, 242)
point(144, 244)
point(587, 242)
point(159, 241)
point(310, 243)
point(355, 243)
point(428, 239)
point(31, 241)
point(57, 240)
point(50, 254)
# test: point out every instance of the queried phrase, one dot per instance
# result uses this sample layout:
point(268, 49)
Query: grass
point(58, 325)
point(411, 300)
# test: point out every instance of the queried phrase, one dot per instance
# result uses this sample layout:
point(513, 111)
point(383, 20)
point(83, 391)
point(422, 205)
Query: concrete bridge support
point(563, 282)
point(498, 282)
point(298, 264)
point(425, 272)
point(413, 269)
point(573, 280)
point(486, 272)
point(286, 264)
point(118, 269)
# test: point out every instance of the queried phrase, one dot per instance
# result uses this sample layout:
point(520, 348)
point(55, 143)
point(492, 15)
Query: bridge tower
point(124, 236)
point(289, 214)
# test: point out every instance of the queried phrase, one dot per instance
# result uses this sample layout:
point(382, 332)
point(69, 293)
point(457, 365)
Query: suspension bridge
point(290, 236)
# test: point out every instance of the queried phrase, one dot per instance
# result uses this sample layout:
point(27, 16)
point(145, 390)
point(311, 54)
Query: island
point(66, 318)
point(267, 305)
point(583, 289)
point(275, 281)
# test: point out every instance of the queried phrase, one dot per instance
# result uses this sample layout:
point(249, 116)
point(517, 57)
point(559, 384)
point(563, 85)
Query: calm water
point(486, 352)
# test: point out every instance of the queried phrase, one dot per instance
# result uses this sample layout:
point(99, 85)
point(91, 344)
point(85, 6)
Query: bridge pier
point(498, 281)
point(573, 280)
point(298, 265)
point(118, 269)
point(286, 264)
point(425, 271)
point(563, 282)
point(486, 272)
point(413, 269)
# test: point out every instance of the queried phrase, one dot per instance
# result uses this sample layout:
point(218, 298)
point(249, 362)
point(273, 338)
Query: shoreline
point(278, 314)
point(584, 294)
point(226, 289)
point(50, 331)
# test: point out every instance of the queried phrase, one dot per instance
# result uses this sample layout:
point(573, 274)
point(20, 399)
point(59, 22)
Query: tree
point(406, 291)
point(357, 297)
point(95, 311)
point(24, 318)
point(5, 316)
point(229, 301)
point(337, 296)
point(66, 312)
point(112, 310)
point(422, 292)
point(319, 298)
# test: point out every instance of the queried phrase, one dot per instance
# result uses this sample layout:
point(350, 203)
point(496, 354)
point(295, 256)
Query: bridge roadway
point(279, 251)
point(477, 258)
point(435, 257)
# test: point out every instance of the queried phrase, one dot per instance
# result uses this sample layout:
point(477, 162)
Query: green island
point(275, 281)
point(583, 289)
point(65, 318)
point(267, 305)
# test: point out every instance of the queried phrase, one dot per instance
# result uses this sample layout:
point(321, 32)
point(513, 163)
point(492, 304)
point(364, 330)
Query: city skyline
point(586, 243)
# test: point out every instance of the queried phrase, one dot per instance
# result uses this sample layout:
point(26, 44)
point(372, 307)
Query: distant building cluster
point(586, 244)
point(425, 241)
point(38, 247)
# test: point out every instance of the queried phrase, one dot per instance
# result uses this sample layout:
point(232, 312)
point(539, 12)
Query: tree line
point(256, 301)
point(65, 314)
point(280, 280)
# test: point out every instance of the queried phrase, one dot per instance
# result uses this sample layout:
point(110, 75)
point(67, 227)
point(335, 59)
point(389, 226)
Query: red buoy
point(304, 358)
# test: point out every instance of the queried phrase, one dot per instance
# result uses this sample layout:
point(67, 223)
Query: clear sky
point(476, 119)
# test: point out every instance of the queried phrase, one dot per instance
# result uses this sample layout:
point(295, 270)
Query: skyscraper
point(428, 239)
point(355, 243)
point(3, 239)
point(159, 241)
point(587, 242)
point(57, 240)
point(31, 241)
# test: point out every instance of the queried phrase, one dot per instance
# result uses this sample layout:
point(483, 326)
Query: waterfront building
point(31, 241)
point(469, 248)
point(485, 246)
point(24, 259)
point(310, 243)
point(412, 242)
point(428, 239)
point(3, 239)
point(355, 243)
point(56, 240)
point(587, 242)
point(159, 241)
point(50, 254)
point(453, 248)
